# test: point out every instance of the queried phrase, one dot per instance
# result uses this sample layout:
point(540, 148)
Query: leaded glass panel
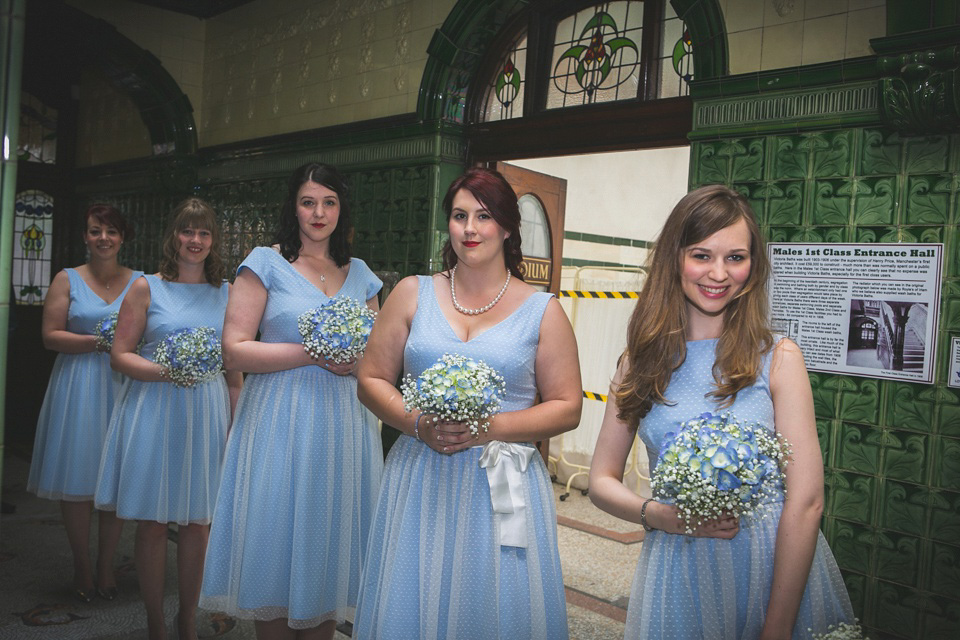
point(38, 131)
point(534, 229)
point(32, 246)
point(676, 56)
point(596, 55)
point(504, 98)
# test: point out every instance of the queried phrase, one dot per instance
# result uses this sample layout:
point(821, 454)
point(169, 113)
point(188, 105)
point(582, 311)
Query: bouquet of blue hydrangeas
point(714, 465)
point(456, 389)
point(842, 631)
point(104, 331)
point(190, 356)
point(337, 330)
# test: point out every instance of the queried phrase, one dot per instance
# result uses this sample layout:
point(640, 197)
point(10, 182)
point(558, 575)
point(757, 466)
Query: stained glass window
point(596, 55)
point(38, 131)
point(676, 56)
point(32, 246)
point(504, 98)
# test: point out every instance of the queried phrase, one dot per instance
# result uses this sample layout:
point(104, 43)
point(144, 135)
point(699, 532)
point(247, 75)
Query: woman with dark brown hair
point(464, 544)
point(699, 342)
point(76, 409)
point(165, 445)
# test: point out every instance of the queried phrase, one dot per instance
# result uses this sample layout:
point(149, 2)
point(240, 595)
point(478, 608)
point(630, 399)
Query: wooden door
point(539, 195)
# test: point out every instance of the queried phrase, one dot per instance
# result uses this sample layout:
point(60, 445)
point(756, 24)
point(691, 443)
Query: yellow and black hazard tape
point(590, 395)
point(601, 295)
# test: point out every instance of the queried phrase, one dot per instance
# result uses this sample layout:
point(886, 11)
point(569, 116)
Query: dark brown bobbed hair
point(656, 334)
point(108, 215)
point(192, 213)
point(493, 191)
point(288, 229)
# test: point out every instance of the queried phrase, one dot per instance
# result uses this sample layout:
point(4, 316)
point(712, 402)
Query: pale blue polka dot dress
point(72, 426)
point(301, 474)
point(435, 566)
point(687, 587)
point(165, 443)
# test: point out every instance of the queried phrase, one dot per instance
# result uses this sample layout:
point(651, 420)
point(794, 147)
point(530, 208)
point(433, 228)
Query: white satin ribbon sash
point(506, 462)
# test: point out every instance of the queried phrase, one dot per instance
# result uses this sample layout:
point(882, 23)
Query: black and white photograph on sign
point(860, 309)
point(886, 334)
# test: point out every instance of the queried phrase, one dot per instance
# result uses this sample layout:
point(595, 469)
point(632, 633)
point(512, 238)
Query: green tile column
point(12, 16)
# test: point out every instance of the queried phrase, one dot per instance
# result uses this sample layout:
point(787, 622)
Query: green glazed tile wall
point(891, 450)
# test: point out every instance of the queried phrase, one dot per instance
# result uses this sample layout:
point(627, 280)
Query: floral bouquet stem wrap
point(190, 356)
point(714, 465)
point(104, 331)
point(457, 389)
point(337, 330)
point(842, 631)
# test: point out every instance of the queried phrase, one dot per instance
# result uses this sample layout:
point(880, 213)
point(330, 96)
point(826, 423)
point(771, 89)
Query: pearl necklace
point(483, 309)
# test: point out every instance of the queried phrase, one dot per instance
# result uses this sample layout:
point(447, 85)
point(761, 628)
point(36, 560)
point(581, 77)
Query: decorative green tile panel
point(852, 496)
point(942, 621)
point(898, 558)
point(825, 436)
point(945, 576)
point(904, 456)
point(731, 161)
point(783, 202)
point(852, 546)
point(904, 507)
point(945, 516)
point(928, 199)
point(881, 153)
point(876, 234)
point(926, 154)
point(792, 158)
point(946, 468)
point(824, 395)
point(859, 398)
point(876, 201)
point(895, 611)
point(910, 406)
point(833, 201)
point(859, 448)
point(949, 404)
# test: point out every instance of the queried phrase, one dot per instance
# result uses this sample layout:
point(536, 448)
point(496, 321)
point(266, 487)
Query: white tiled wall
point(772, 34)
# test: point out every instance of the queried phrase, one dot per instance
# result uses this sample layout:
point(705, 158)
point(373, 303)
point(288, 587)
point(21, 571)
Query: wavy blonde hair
point(196, 214)
point(656, 335)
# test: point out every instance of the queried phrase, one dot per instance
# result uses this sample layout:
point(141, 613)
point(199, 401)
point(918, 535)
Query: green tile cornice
point(853, 104)
point(916, 41)
point(388, 145)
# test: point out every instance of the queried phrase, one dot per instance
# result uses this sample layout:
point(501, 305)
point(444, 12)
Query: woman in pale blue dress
point(464, 544)
point(304, 458)
point(699, 341)
point(80, 396)
point(161, 463)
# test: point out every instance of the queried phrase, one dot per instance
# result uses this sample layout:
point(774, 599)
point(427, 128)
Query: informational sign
point(860, 309)
point(953, 378)
point(536, 270)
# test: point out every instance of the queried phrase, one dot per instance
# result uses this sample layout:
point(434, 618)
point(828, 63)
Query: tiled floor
point(599, 554)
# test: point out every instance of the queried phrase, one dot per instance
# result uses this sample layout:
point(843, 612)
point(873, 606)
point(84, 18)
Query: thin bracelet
point(416, 427)
point(643, 515)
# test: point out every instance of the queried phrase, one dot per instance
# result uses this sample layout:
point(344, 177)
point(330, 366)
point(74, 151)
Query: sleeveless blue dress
point(76, 409)
point(714, 589)
point(301, 474)
point(436, 566)
point(165, 443)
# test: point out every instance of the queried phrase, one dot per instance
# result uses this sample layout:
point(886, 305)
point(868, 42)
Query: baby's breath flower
point(105, 330)
point(190, 356)
point(458, 389)
point(842, 631)
point(337, 330)
point(714, 465)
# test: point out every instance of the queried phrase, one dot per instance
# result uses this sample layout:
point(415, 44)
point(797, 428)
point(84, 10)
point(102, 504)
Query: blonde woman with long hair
point(699, 341)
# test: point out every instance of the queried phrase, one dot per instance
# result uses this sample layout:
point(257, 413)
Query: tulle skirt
point(164, 450)
point(300, 484)
point(435, 567)
point(715, 589)
point(72, 427)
